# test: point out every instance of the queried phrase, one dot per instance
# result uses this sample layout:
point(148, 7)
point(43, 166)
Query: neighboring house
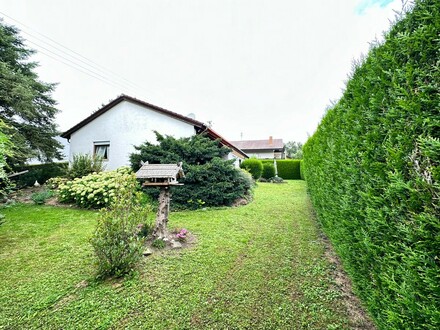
point(262, 149)
point(114, 130)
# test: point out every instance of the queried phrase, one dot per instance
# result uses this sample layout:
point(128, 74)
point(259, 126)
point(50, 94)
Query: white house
point(114, 130)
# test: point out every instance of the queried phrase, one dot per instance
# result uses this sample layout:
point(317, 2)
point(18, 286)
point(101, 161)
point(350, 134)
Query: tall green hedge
point(288, 169)
point(372, 169)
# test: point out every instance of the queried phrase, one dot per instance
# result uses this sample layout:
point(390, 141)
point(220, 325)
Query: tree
point(294, 150)
point(209, 179)
point(6, 150)
point(26, 105)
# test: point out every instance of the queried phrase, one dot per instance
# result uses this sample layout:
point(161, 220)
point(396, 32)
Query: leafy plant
point(40, 198)
point(159, 244)
point(116, 241)
point(84, 164)
point(97, 190)
point(254, 166)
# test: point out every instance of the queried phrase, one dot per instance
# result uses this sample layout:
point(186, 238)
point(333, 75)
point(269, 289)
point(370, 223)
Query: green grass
point(260, 266)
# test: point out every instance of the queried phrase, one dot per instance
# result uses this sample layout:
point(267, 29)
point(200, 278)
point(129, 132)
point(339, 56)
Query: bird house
point(160, 174)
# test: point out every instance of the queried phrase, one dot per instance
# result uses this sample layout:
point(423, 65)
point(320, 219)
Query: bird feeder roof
point(160, 171)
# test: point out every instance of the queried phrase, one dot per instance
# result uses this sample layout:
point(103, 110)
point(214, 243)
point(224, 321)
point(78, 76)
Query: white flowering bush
point(97, 190)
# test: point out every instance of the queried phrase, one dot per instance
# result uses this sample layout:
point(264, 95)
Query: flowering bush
point(181, 235)
point(118, 241)
point(97, 190)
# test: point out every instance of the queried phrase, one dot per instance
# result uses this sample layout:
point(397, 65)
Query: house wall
point(124, 126)
point(260, 154)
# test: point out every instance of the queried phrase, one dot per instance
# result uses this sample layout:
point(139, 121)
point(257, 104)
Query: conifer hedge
point(373, 173)
point(288, 169)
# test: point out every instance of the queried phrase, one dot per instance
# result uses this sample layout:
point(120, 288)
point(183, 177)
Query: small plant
point(116, 241)
point(158, 244)
point(84, 164)
point(40, 198)
point(181, 236)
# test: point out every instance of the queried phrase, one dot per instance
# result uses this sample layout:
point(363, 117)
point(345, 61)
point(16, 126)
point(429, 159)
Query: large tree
point(26, 104)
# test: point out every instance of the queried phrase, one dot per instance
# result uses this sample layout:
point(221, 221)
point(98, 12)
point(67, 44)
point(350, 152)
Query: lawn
point(260, 266)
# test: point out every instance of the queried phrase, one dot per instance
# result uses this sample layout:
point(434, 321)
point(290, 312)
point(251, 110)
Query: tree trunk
point(160, 230)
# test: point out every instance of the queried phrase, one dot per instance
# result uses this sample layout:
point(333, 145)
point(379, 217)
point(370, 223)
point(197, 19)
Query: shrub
point(210, 180)
point(289, 169)
point(97, 190)
point(268, 171)
point(301, 170)
point(84, 164)
point(253, 166)
point(372, 173)
point(40, 173)
point(116, 242)
point(40, 198)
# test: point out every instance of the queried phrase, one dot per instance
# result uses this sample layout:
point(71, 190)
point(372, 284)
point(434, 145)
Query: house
point(263, 149)
point(114, 130)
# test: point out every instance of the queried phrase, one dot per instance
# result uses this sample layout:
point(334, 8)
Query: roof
point(268, 144)
point(162, 171)
point(200, 127)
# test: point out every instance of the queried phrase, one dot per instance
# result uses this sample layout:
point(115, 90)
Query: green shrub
point(116, 242)
point(40, 173)
point(301, 170)
point(253, 166)
point(288, 169)
point(372, 173)
point(40, 198)
point(84, 164)
point(268, 171)
point(210, 180)
point(96, 190)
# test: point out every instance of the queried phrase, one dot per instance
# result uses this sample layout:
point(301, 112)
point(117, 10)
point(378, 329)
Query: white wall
point(124, 126)
point(261, 155)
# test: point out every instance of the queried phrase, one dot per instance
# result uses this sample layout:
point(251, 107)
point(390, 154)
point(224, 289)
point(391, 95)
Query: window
point(101, 149)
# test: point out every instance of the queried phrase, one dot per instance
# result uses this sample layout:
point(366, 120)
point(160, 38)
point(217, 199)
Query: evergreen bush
point(268, 171)
point(372, 169)
point(210, 180)
point(253, 166)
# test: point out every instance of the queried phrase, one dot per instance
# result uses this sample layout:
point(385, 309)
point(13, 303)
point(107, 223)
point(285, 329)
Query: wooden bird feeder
point(162, 176)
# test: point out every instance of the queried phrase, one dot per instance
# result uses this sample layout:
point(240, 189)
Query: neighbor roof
point(200, 127)
point(268, 144)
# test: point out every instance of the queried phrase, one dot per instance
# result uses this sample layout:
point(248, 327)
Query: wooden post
point(160, 230)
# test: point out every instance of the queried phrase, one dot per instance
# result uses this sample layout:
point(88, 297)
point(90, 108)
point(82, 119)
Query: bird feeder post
point(163, 176)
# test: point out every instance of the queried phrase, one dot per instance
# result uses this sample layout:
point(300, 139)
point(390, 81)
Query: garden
point(263, 266)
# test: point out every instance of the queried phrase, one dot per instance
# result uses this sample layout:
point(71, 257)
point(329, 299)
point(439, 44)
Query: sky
point(250, 68)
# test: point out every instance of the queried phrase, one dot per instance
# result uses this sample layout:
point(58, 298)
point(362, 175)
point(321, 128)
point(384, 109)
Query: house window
point(102, 149)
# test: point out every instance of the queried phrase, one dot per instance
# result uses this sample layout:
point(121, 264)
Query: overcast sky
point(254, 68)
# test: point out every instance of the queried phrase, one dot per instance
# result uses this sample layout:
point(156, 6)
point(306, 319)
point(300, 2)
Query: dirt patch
point(24, 196)
point(359, 319)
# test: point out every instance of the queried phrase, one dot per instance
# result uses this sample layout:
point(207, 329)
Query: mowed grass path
point(260, 266)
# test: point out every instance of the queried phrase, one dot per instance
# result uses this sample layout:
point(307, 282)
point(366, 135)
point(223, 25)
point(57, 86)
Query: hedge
point(268, 171)
point(254, 166)
point(288, 169)
point(372, 170)
point(40, 173)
